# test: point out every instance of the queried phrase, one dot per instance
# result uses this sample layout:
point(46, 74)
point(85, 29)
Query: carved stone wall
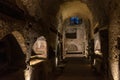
point(8, 25)
point(114, 33)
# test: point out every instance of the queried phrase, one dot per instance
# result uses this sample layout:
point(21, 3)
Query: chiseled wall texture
point(28, 28)
point(8, 25)
point(114, 33)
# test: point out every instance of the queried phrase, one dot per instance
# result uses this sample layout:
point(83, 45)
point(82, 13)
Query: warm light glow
point(27, 73)
point(115, 69)
point(35, 61)
point(98, 52)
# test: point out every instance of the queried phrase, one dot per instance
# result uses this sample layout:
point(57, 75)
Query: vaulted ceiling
point(96, 10)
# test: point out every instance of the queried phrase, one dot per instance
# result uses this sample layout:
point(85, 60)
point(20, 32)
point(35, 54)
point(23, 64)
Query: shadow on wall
point(12, 59)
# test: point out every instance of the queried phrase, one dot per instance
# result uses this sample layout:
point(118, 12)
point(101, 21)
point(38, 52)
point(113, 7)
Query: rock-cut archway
point(12, 56)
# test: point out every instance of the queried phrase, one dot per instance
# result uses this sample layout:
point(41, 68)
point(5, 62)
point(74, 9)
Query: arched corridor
point(59, 40)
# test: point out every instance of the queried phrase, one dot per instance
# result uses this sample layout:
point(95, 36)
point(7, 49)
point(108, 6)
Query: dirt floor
point(78, 69)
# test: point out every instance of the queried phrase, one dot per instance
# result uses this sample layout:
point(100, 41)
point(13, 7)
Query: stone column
point(114, 32)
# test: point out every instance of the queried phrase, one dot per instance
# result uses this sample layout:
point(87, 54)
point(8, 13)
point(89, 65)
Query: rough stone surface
point(8, 25)
point(114, 33)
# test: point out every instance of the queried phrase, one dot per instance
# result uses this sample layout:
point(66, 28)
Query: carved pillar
point(114, 32)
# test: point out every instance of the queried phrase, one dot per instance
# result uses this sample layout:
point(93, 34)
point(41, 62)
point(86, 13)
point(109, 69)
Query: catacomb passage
point(59, 40)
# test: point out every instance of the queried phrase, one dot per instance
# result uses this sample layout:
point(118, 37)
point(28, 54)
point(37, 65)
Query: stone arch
point(12, 57)
point(21, 41)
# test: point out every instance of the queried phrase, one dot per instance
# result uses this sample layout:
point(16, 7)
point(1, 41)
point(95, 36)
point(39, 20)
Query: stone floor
point(78, 69)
